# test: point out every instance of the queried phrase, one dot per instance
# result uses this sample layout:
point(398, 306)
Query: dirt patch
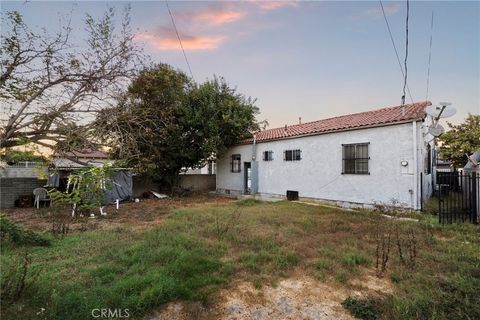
point(299, 297)
point(295, 298)
point(144, 214)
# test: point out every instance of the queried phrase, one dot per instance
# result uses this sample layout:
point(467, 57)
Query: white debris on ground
point(159, 195)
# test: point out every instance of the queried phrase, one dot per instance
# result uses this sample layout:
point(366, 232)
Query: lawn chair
point(41, 194)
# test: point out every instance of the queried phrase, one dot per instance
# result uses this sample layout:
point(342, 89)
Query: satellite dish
point(441, 111)
point(436, 130)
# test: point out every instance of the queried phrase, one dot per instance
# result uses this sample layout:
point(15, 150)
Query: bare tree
point(52, 86)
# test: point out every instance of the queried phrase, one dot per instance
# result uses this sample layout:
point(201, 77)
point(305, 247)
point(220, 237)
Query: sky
point(308, 59)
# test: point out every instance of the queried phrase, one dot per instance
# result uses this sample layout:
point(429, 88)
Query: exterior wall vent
point(292, 195)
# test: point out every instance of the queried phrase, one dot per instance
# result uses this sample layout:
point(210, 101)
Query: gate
point(458, 197)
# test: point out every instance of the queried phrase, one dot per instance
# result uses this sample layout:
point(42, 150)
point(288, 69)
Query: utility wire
point(406, 53)
point(395, 48)
point(179, 40)
point(429, 57)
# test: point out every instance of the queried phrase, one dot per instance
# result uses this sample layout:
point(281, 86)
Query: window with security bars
point(267, 155)
point(292, 155)
point(236, 163)
point(355, 158)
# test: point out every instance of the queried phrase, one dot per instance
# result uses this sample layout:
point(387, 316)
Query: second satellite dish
point(437, 130)
point(436, 111)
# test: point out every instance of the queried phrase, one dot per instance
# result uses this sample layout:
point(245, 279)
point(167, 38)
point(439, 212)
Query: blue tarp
point(120, 187)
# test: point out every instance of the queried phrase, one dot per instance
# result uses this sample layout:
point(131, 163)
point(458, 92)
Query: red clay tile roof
point(380, 117)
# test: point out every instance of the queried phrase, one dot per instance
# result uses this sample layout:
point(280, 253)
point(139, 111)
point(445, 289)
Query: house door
point(247, 189)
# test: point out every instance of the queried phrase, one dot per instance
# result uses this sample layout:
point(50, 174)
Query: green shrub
point(248, 202)
point(323, 265)
point(17, 277)
point(16, 234)
point(341, 277)
point(14, 156)
point(354, 259)
point(362, 309)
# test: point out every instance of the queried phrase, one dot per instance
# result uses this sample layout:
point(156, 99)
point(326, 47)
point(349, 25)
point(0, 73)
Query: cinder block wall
point(198, 182)
point(12, 188)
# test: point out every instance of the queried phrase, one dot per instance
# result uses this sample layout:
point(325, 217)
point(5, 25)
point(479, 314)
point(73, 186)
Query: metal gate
point(458, 197)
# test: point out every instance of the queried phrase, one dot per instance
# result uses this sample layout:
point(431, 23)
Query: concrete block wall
point(197, 182)
point(12, 188)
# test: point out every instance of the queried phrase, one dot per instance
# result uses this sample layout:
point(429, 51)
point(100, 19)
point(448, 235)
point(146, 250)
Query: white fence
point(26, 164)
point(22, 169)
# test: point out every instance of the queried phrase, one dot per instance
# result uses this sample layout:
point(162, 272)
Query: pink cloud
point(215, 17)
point(274, 5)
point(207, 19)
point(211, 16)
point(170, 42)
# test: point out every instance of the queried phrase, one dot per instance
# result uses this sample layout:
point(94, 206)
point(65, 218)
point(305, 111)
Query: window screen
point(355, 158)
point(236, 163)
point(267, 155)
point(292, 155)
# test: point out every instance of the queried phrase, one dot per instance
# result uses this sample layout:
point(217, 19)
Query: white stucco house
point(354, 160)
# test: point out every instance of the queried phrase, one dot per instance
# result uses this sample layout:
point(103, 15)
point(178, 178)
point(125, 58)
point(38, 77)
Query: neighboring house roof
point(66, 164)
point(87, 154)
point(375, 118)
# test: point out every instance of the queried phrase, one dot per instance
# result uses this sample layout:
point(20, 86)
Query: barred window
point(292, 155)
point(355, 158)
point(236, 163)
point(267, 155)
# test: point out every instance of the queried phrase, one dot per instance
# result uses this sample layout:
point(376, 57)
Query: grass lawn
point(193, 252)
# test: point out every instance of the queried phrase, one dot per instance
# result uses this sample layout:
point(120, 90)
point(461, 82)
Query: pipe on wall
point(254, 167)
point(415, 166)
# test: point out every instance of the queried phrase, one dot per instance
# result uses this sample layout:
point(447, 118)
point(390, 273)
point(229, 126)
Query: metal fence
point(26, 164)
point(458, 197)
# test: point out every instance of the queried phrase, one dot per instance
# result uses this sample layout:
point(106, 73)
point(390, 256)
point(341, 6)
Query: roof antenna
point(406, 57)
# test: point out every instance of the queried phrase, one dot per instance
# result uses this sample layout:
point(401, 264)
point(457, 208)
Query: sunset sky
point(304, 59)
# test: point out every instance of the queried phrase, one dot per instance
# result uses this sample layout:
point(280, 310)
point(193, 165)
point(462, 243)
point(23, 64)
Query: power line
point(179, 40)
point(395, 48)
point(406, 53)
point(429, 57)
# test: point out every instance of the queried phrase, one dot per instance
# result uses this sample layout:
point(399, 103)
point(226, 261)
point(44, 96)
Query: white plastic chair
point(41, 194)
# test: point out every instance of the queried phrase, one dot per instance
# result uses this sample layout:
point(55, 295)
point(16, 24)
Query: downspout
point(254, 167)
point(415, 167)
point(254, 147)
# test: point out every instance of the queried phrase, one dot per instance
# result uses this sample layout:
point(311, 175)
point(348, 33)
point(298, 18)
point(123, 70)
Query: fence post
point(473, 198)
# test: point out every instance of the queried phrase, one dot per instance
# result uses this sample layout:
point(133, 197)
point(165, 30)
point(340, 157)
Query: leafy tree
point(50, 86)
point(14, 156)
point(167, 122)
point(461, 140)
